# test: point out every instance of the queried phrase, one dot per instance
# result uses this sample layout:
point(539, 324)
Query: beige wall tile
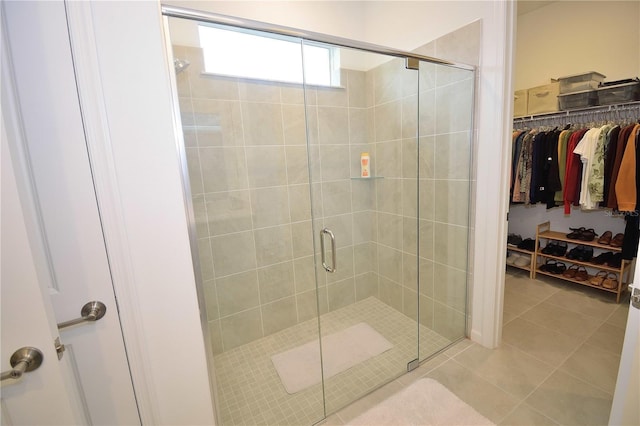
point(228, 212)
point(233, 253)
point(237, 293)
point(223, 169)
point(341, 293)
point(273, 245)
point(262, 123)
point(270, 206)
point(276, 282)
point(279, 315)
point(366, 285)
point(266, 166)
point(241, 328)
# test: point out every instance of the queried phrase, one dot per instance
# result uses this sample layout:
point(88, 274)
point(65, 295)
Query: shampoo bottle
point(365, 166)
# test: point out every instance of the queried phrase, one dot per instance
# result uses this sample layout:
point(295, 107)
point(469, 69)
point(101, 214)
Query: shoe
point(605, 238)
point(581, 274)
point(514, 239)
point(575, 253)
point(558, 269)
point(615, 261)
point(511, 259)
point(598, 278)
point(523, 261)
point(560, 249)
point(617, 240)
point(588, 235)
point(548, 266)
point(611, 282)
point(527, 244)
point(550, 248)
point(602, 258)
point(571, 272)
point(585, 254)
point(575, 235)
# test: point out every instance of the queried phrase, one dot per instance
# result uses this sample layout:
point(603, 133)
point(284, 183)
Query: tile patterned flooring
point(557, 364)
point(249, 391)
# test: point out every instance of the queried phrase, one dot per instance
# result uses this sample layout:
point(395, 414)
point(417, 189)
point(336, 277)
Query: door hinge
point(59, 348)
point(635, 296)
point(412, 365)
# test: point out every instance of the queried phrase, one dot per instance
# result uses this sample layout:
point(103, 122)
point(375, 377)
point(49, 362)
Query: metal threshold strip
point(214, 18)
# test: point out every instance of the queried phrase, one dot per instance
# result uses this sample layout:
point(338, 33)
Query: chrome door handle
point(91, 311)
point(334, 266)
point(23, 360)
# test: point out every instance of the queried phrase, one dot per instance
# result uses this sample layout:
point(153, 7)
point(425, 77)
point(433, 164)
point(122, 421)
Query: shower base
point(249, 390)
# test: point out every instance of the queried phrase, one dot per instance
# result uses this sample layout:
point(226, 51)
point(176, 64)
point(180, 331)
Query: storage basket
point(580, 82)
point(583, 99)
point(520, 99)
point(619, 93)
point(543, 99)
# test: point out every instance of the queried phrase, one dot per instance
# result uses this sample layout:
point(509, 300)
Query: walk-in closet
point(573, 217)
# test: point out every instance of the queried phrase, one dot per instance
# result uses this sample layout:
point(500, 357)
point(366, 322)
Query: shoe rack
point(528, 267)
point(546, 235)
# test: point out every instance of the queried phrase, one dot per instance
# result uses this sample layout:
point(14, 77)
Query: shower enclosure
point(320, 285)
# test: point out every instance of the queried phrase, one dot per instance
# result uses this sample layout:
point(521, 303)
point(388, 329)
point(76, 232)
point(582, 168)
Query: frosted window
point(246, 55)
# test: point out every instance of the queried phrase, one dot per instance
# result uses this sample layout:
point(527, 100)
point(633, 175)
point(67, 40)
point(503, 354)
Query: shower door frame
point(411, 62)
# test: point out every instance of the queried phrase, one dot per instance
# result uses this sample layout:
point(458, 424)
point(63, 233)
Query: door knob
point(23, 360)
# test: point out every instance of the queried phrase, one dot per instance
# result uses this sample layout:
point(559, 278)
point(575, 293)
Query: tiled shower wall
point(247, 155)
point(246, 150)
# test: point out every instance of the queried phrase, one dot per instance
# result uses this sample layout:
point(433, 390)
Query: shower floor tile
point(249, 390)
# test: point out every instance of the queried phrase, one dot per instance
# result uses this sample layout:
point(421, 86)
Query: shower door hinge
point(412, 365)
point(635, 296)
point(412, 64)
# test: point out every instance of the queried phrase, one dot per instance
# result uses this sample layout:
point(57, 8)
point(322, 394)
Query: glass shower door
point(245, 148)
point(364, 228)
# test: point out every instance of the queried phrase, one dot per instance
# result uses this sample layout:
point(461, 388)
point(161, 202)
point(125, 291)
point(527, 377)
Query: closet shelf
point(625, 263)
point(587, 283)
point(561, 236)
point(627, 106)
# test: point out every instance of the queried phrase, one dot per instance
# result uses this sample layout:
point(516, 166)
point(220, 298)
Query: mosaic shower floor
point(249, 390)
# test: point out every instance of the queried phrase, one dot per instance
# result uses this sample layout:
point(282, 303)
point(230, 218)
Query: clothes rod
point(629, 111)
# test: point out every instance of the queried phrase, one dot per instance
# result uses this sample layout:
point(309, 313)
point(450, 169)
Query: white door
point(625, 409)
point(40, 396)
point(78, 270)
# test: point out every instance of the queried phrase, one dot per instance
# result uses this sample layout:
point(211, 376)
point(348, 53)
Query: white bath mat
point(299, 367)
point(425, 402)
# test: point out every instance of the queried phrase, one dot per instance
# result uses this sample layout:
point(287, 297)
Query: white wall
point(570, 37)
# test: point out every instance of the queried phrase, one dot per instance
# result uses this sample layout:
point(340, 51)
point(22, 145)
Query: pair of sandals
point(605, 279)
point(555, 248)
point(582, 234)
point(608, 240)
point(575, 272)
point(553, 267)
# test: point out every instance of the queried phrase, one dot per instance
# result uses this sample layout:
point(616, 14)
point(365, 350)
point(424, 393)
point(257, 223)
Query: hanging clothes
point(626, 180)
point(608, 162)
point(573, 172)
point(596, 175)
point(612, 201)
point(563, 141)
point(586, 148)
point(552, 169)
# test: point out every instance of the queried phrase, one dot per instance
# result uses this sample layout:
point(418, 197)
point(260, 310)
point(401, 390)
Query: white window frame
point(252, 57)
